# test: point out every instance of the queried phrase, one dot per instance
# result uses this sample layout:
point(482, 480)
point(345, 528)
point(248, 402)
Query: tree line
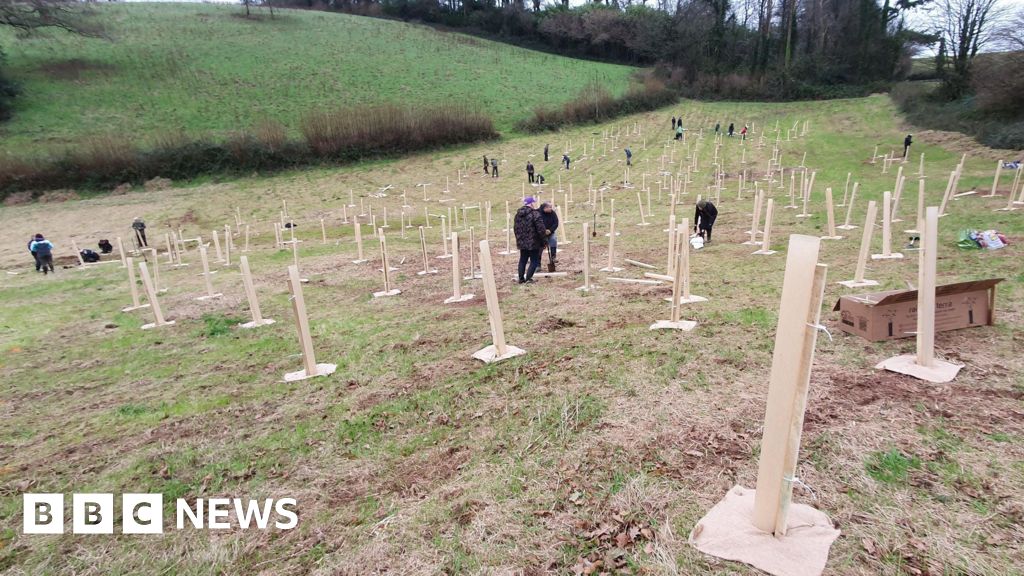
point(773, 44)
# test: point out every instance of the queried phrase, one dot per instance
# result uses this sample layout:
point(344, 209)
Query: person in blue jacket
point(42, 249)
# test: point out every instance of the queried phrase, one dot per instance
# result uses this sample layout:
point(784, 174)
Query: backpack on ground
point(90, 256)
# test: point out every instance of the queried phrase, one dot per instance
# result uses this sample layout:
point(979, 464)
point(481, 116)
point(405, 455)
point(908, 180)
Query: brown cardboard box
point(890, 315)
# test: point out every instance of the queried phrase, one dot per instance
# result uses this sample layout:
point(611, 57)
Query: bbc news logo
point(144, 513)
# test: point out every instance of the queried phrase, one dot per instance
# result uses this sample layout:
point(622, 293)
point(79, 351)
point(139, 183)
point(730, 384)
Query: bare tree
point(965, 26)
point(26, 16)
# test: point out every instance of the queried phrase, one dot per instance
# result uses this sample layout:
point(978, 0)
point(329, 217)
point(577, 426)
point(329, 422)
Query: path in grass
point(201, 68)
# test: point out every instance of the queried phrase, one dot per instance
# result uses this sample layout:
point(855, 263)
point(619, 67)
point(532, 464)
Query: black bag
point(90, 256)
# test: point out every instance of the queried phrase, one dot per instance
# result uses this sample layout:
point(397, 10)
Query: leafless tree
point(965, 26)
point(26, 16)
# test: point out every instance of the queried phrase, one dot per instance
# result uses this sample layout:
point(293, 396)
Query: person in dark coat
point(673, 124)
point(140, 231)
point(529, 171)
point(545, 152)
point(629, 156)
point(906, 144)
point(531, 237)
point(566, 160)
point(547, 212)
point(487, 166)
point(494, 167)
point(732, 129)
point(704, 219)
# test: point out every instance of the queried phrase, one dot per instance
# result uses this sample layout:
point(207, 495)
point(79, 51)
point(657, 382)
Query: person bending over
point(704, 219)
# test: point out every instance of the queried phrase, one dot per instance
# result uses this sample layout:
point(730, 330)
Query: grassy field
point(413, 458)
point(201, 69)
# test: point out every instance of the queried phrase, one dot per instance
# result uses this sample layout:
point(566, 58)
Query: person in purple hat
point(531, 238)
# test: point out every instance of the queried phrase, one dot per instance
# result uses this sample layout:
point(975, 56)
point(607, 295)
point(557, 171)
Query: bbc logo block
point(144, 513)
point(93, 513)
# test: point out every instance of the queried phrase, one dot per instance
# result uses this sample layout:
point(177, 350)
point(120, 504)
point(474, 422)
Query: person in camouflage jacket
point(531, 238)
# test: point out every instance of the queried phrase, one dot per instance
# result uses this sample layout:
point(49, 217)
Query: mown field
point(605, 442)
point(203, 69)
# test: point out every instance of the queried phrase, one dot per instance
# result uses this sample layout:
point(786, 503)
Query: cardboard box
point(893, 314)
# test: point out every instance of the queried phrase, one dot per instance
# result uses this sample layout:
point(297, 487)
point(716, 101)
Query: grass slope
point(605, 442)
point(201, 68)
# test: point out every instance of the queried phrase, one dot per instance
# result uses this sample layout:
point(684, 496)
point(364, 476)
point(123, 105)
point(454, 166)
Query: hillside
point(605, 441)
point(205, 69)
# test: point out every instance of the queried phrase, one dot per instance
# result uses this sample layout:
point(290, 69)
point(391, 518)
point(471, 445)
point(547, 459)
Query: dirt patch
point(157, 184)
point(957, 142)
point(415, 474)
point(189, 217)
point(121, 189)
point(551, 323)
point(58, 196)
point(843, 395)
point(74, 69)
point(18, 198)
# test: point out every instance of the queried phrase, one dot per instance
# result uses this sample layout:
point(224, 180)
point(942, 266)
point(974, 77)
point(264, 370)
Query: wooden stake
point(674, 321)
point(310, 368)
point(924, 365)
point(887, 253)
point(206, 276)
point(227, 246)
point(216, 246)
point(81, 261)
point(920, 209)
point(134, 289)
point(756, 217)
point(950, 190)
point(250, 293)
point(158, 314)
point(473, 274)
point(830, 211)
point(499, 349)
point(766, 242)
point(360, 259)
point(807, 196)
point(795, 337)
point(423, 249)
point(385, 267)
point(611, 247)
point(683, 252)
point(120, 252)
point(323, 232)
point(849, 209)
point(457, 295)
point(1010, 202)
point(587, 286)
point(865, 247)
point(670, 265)
point(508, 235)
point(246, 238)
point(640, 205)
point(995, 181)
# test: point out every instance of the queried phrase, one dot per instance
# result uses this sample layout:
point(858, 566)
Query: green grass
point(200, 68)
point(414, 455)
point(892, 466)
